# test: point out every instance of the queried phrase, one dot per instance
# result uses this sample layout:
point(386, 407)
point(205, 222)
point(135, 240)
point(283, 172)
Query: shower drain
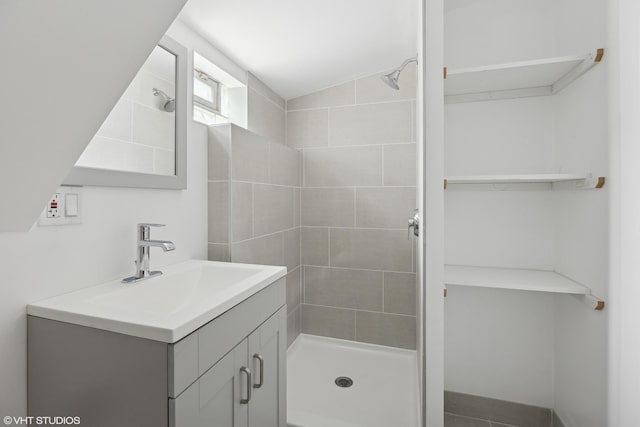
point(344, 382)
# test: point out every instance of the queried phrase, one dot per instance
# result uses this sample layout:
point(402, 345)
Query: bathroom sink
point(164, 308)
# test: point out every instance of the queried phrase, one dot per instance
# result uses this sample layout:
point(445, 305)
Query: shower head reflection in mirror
point(142, 143)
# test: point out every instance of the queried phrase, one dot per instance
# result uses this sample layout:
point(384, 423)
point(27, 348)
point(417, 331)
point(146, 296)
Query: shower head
point(391, 79)
point(169, 103)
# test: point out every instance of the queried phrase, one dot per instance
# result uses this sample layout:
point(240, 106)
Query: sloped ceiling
point(65, 64)
point(300, 46)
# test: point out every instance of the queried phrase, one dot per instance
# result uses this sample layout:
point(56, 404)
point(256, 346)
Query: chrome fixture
point(391, 79)
point(414, 222)
point(144, 246)
point(169, 103)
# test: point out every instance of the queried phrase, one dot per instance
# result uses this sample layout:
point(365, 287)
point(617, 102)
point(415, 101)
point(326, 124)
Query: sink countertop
point(165, 308)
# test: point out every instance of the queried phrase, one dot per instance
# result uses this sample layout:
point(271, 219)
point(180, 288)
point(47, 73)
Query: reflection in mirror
point(139, 133)
point(143, 142)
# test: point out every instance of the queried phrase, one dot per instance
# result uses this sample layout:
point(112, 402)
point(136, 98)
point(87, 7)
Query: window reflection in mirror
point(139, 135)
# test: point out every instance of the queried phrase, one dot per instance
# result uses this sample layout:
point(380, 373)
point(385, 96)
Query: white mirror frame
point(113, 178)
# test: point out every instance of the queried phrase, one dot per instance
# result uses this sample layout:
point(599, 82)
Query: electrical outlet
point(63, 208)
point(53, 208)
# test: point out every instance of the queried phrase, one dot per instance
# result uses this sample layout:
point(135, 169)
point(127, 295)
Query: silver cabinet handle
point(261, 360)
point(248, 372)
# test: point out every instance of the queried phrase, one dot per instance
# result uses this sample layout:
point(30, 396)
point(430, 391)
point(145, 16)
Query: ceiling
point(300, 46)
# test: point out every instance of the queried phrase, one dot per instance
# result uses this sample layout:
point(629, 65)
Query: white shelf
point(512, 278)
point(557, 181)
point(516, 179)
point(517, 79)
point(519, 279)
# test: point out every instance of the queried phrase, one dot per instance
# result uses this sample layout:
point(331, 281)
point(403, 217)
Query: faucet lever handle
point(148, 224)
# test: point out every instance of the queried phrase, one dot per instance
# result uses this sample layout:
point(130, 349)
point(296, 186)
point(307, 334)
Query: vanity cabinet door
point(267, 354)
point(215, 398)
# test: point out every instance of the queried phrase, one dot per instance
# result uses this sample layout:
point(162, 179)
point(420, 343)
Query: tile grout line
point(381, 144)
point(355, 104)
point(359, 268)
point(360, 309)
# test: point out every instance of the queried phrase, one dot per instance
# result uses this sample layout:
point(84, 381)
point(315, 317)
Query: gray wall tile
point(500, 411)
point(358, 289)
point(400, 164)
point(248, 156)
point(386, 329)
point(373, 89)
point(262, 250)
point(308, 128)
point(384, 207)
point(296, 207)
point(218, 252)
point(292, 248)
point(218, 205)
point(218, 152)
point(328, 207)
point(343, 167)
point(370, 249)
point(241, 211)
point(328, 322)
point(314, 245)
point(284, 165)
point(294, 289)
point(400, 293)
point(272, 209)
point(293, 326)
point(384, 123)
point(256, 84)
point(344, 94)
point(264, 117)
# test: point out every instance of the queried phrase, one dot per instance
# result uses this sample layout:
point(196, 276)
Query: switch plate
point(71, 205)
point(64, 208)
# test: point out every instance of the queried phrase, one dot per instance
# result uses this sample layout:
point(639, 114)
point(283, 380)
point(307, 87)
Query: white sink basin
point(165, 308)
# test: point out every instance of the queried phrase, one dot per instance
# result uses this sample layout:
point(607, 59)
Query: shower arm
point(407, 62)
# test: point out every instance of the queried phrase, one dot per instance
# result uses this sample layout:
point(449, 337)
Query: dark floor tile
point(557, 422)
point(497, 411)
point(451, 420)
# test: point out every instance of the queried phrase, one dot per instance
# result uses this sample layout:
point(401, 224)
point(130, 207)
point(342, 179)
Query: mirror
point(142, 143)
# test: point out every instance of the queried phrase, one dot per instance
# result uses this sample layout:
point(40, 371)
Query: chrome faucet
point(144, 246)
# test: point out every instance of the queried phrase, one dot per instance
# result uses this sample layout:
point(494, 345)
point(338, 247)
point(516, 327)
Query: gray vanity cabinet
point(111, 379)
point(246, 388)
point(214, 399)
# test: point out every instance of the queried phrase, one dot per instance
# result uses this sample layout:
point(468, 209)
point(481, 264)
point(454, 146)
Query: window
point(210, 99)
point(206, 91)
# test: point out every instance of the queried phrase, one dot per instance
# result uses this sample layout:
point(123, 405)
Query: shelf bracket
point(592, 301)
point(583, 184)
point(588, 63)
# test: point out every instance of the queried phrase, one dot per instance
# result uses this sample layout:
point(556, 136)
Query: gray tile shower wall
point(357, 143)
point(254, 205)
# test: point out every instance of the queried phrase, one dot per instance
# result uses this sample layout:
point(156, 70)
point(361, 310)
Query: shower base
point(383, 393)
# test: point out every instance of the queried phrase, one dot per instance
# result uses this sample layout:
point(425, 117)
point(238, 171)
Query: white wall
point(581, 252)
point(533, 348)
point(624, 275)
point(49, 261)
point(499, 343)
point(66, 66)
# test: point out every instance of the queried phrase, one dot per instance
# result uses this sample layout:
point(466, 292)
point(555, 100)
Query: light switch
point(71, 204)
